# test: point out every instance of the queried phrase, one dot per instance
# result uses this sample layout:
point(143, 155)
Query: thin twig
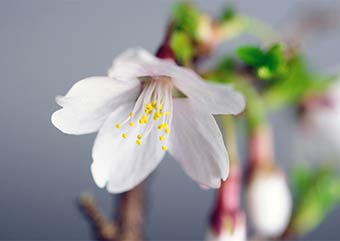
point(131, 222)
point(105, 229)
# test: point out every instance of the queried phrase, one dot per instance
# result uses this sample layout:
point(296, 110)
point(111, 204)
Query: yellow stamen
point(157, 115)
point(124, 135)
point(154, 104)
point(132, 124)
point(164, 148)
point(160, 107)
point(149, 106)
point(140, 136)
point(163, 126)
point(131, 114)
point(148, 112)
point(161, 138)
point(118, 126)
point(138, 142)
point(167, 113)
point(144, 120)
point(167, 130)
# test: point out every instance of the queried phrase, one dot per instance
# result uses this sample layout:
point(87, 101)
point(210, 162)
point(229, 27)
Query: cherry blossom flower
point(143, 108)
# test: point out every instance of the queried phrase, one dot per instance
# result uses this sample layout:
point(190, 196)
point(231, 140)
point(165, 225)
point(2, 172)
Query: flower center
point(153, 109)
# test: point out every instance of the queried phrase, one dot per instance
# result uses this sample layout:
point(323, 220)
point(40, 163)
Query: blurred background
point(45, 47)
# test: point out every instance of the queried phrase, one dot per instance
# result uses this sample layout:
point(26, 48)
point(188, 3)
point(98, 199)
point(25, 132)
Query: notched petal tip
point(60, 100)
point(56, 120)
point(98, 176)
point(59, 123)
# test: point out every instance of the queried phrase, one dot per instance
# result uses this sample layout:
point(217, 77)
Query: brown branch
point(105, 229)
point(130, 226)
point(132, 213)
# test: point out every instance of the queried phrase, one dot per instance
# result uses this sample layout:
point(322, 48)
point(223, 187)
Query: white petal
point(136, 62)
point(197, 143)
point(119, 163)
point(217, 98)
point(90, 101)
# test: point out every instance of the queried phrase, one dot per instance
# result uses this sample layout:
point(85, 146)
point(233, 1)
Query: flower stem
point(261, 150)
point(227, 213)
point(132, 214)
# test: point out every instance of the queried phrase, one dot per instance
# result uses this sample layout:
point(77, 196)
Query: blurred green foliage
point(267, 63)
point(298, 83)
point(181, 44)
point(317, 193)
point(228, 13)
point(186, 18)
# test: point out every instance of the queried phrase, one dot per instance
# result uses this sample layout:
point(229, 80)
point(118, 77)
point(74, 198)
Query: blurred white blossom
point(269, 202)
point(318, 135)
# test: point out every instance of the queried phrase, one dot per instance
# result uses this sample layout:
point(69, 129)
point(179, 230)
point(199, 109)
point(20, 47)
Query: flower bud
point(233, 229)
point(228, 221)
point(269, 201)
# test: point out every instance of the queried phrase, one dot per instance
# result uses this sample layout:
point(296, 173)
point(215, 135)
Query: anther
point(157, 115)
point(132, 124)
point(167, 113)
point(118, 126)
point(149, 106)
point(138, 142)
point(139, 136)
point(124, 135)
point(131, 115)
point(161, 138)
point(164, 148)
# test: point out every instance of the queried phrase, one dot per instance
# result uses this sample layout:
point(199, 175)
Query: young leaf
point(186, 18)
point(228, 13)
point(251, 55)
point(182, 46)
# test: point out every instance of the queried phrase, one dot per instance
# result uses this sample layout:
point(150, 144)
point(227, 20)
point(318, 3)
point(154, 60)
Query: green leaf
point(302, 177)
point(186, 18)
point(227, 64)
point(295, 84)
point(318, 192)
point(182, 46)
point(228, 13)
point(275, 59)
point(251, 55)
point(268, 64)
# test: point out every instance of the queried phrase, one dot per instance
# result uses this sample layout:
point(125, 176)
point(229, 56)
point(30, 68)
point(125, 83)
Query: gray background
point(45, 46)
